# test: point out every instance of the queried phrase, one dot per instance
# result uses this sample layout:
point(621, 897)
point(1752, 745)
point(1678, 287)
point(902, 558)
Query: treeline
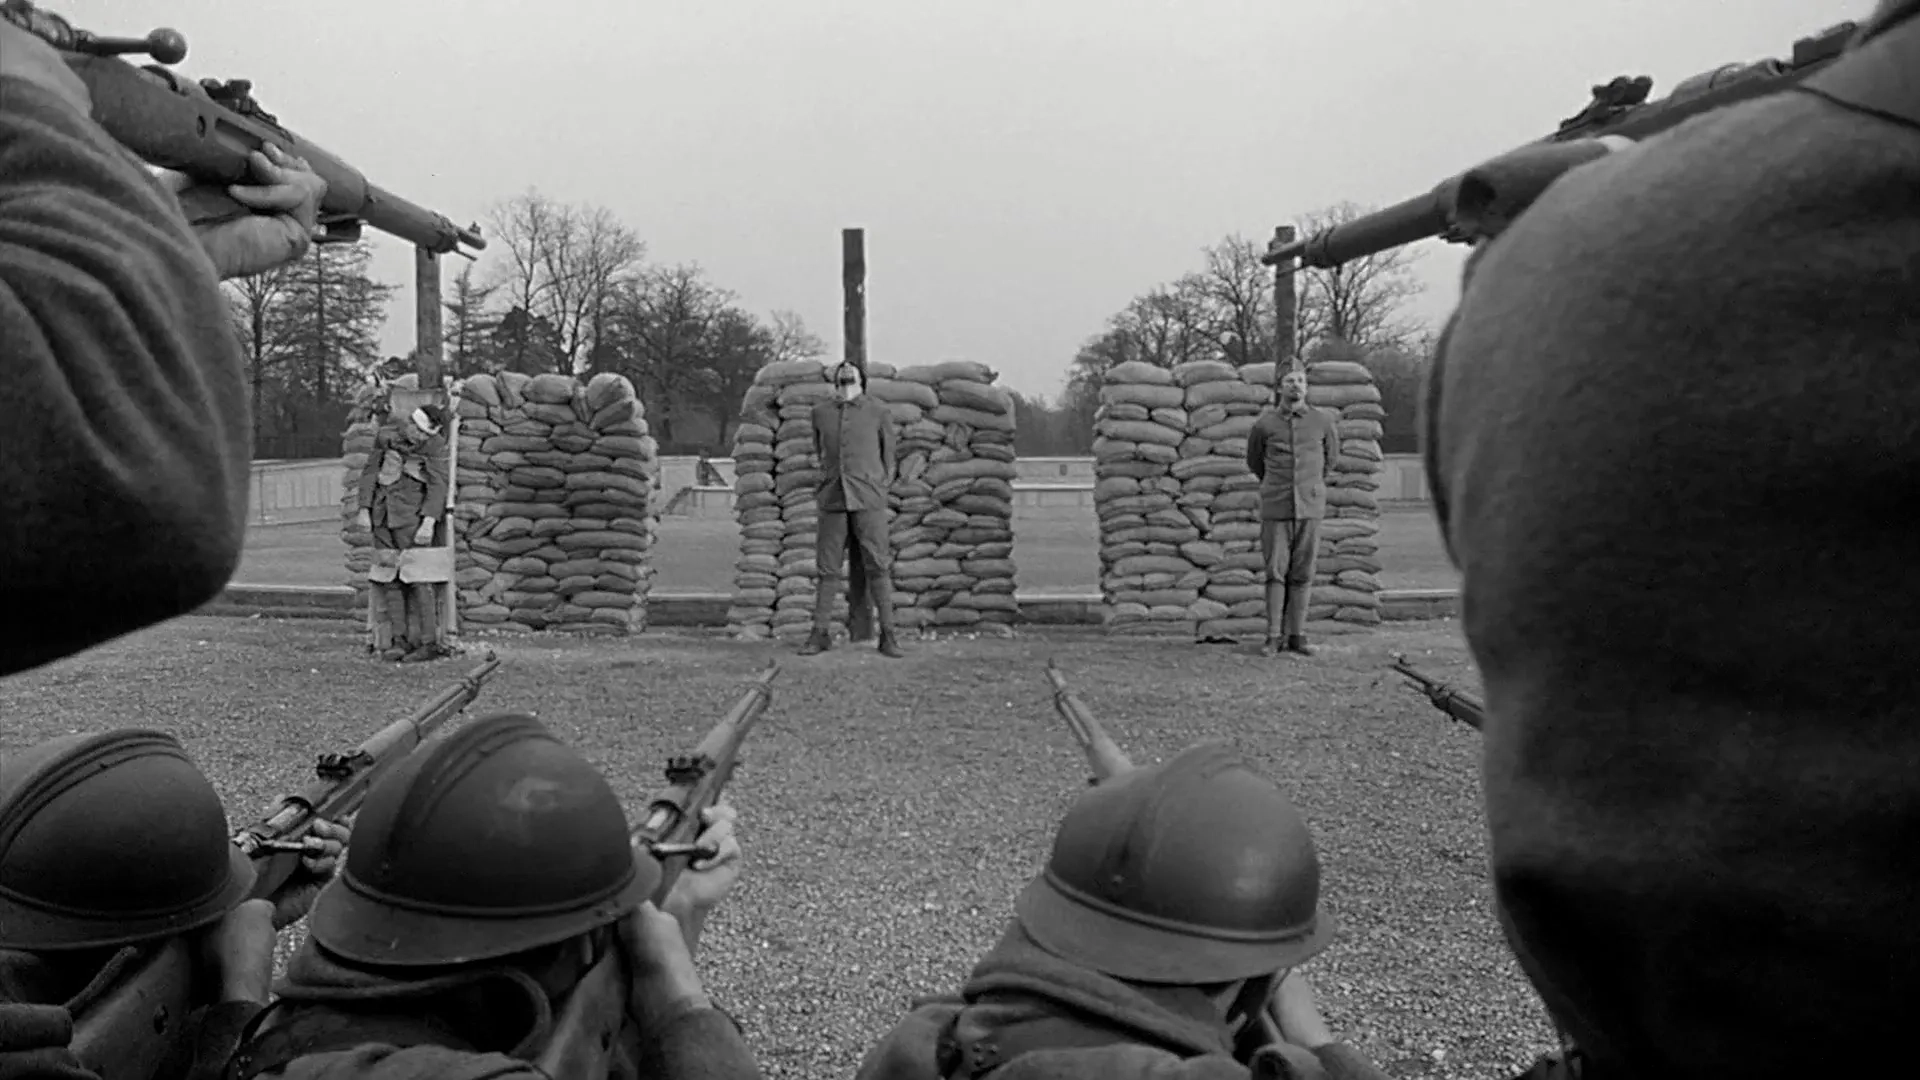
point(1224, 311)
point(566, 288)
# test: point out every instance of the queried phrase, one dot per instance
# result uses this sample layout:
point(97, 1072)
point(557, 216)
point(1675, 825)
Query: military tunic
point(854, 444)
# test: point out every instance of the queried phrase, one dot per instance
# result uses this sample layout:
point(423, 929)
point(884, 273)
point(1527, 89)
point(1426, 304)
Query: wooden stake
point(1284, 303)
point(426, 318)
point(853, 283)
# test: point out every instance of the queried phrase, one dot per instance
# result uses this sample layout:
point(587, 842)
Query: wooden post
point(426, 317)
point(853, 288)
point(1284, 303)
point(853, 284)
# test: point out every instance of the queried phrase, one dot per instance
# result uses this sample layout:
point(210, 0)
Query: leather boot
point(394, 607)
point(1294, 616)
point(880, 587)
point(1276, 608)
point(817, 642)
point(424, 602)
point(859, 605)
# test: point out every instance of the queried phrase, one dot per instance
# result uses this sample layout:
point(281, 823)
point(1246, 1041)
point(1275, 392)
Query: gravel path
point(892, 809)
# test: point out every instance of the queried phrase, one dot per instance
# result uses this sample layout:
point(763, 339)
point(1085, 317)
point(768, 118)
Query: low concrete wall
point(710, 609)
point(289, 492)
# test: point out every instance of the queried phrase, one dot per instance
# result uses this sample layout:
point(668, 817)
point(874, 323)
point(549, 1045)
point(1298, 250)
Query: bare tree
point(1239, 299)
point(564, 264)
point(791, 340)
point(1360, 302)
point(258, 304)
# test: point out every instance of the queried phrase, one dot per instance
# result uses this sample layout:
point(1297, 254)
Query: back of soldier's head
point(111, 839)
point(1196, 871)
point(496, 841)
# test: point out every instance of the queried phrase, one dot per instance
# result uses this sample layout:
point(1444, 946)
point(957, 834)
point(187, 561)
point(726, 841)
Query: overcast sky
point(1022, 168)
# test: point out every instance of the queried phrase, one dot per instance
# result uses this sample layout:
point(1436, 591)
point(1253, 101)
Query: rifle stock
point(1476, 204)
point(595, 1013)
point(207, 129)
point(1107, 761)
point(1456, 703)
point(126, 1031)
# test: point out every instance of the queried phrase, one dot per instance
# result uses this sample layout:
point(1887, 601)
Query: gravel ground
point(890, 810)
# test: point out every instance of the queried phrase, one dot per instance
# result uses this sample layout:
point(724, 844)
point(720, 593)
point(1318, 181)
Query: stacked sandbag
point(555, 503)
point(773, 499)
point(952, 527)
point(1179, 510)
point(1148, 578)
point(1221, 496)
point(951, 502)
point(1346, 583)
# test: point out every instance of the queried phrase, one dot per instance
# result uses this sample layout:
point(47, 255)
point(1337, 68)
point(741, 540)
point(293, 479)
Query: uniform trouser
point(411, 611)
point(1290, 549)
point(872, 546)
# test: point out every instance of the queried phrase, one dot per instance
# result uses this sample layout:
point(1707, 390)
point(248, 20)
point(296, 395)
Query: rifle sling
point(323, 1029)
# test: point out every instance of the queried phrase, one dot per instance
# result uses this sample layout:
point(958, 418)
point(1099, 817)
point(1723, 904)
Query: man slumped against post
point(1292, 449)
point(403, 496)
point(853, 441)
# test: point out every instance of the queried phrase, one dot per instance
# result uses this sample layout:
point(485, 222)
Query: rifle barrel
point(1432, 214)
point(172, 123)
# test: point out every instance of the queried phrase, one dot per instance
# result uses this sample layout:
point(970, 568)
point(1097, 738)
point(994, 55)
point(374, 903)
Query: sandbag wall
point(554, 504)
point(1180, 511)
point(952, 500)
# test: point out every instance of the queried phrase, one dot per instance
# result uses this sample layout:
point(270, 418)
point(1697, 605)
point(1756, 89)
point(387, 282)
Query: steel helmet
point(497, 839)
point(111, 839)
point(1195, 871)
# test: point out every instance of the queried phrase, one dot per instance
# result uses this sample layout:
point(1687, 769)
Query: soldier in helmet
point(403, 496)
point(489, 873)
point(1177, 902)
point(113, 842)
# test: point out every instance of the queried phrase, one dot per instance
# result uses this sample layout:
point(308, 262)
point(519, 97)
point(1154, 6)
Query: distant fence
point(291, 492)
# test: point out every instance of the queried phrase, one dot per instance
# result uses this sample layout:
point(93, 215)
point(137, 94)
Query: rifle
point(1475, 205)
point(129, 1017)
point(1458, 704)
point(206, 129)
point(596, 1009)
point(1107, 760)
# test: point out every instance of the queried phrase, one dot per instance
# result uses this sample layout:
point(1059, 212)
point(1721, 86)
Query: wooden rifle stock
point(127, 1029)
point(207, 129)
point(1475, 205)
point(595, 1013)
point(1107, 761)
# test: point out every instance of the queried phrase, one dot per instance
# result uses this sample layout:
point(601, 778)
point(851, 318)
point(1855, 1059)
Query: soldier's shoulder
point(381, 1061)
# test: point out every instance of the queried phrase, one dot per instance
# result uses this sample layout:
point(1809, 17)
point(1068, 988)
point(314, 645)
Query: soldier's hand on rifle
point(1298, 1013)
point(24, 56)
point(240, 948)
point(364, 519)
point(324, 842)
point(286, 209)
point(664, 981)
point(423, 535)
point(706, 882)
